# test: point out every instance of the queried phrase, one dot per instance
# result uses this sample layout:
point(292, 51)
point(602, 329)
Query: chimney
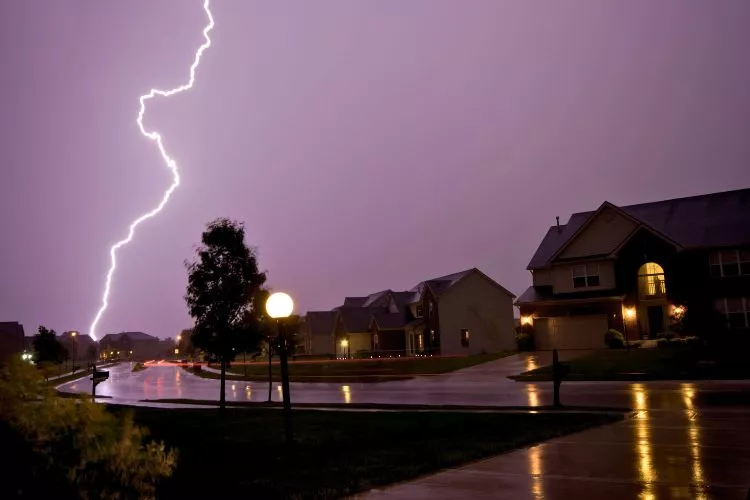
point(557, 219)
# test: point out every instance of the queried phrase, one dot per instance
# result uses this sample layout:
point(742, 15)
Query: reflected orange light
point(531, 363)
point(694, 439)
point(643, 444)
point(347, 393)
point(532, 394)
point(535, 470)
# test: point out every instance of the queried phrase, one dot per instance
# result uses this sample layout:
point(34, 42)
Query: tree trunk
point(222, 396)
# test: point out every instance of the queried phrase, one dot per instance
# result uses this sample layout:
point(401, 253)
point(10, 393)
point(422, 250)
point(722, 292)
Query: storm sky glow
point(366, 145)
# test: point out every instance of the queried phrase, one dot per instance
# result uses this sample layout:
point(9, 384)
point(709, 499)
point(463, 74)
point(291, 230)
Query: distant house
point(130, 345)
point(11, 340)
point(80, 347)
point(460, 313)
point(639, 268)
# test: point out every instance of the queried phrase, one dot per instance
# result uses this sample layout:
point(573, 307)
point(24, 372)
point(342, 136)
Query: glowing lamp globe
point(279, 305)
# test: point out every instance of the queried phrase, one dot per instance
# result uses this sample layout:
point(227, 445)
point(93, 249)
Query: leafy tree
point(65, 448)
point(47, 348)
point(223, 285)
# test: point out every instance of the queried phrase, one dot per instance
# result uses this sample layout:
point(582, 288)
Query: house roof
point(442, 283)
point(11, 328)
point(378, 299)
point(390, 321)
point(705, 221)
point(354, 301)
point(136, 336)
point(538, 294)
point(320, 322)
point(357, 319)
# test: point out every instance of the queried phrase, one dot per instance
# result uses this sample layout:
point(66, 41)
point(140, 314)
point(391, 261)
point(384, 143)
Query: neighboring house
point(461, 313)
point(638, 269)
point(80, 347)
point(131, 345)
point(11, 340)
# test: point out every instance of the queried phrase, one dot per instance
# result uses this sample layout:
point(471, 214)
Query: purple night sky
point(366, 145)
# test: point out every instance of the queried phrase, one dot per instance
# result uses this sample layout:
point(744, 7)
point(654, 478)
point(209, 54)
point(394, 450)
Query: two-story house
point(460, 313)
point(638, 268)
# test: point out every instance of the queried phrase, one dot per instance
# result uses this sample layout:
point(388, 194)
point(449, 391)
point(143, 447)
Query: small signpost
point(97, 377)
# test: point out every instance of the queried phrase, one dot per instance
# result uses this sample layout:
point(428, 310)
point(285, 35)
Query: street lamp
point(278, 306)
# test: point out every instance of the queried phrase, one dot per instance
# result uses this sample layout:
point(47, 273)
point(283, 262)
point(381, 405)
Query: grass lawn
point(336, 454)
point(357, 370)
point(672, 363)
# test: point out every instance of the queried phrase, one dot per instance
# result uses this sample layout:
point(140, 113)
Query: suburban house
point(80, 347)
point(461, 313)
point(11, 340)
point(639, 268)
point(131, 345)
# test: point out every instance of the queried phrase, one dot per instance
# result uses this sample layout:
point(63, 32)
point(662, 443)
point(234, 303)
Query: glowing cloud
point(170, 162)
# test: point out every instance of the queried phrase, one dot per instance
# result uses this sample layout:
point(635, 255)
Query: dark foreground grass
point(672, 363)
point(358, 370)
point(336, 454)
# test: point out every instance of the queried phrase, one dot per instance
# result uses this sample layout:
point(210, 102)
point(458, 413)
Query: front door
point(655, 320)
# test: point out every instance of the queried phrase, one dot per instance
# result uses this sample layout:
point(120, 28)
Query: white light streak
point(171, 164)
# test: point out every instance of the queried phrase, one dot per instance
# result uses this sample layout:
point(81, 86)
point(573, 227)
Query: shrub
point(614, 339)
point(525, 341)
point(71, 448)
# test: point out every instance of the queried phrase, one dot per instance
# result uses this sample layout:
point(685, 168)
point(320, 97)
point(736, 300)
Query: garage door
point(573, 332)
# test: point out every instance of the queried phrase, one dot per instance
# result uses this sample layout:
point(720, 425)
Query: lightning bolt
point(170, 162)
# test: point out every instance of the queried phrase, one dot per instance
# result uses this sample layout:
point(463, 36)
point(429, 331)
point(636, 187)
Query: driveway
point(693, 453)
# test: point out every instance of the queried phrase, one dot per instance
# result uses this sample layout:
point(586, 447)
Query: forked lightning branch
point(168, 160)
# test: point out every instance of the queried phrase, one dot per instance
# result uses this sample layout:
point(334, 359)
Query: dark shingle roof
point(354, 301)
point(378, 299)
point(320, 322)
point(442, 283)
point(704, 221)
point(390, 321)
point(357, 319)
point(544, 294)
point(138, 336)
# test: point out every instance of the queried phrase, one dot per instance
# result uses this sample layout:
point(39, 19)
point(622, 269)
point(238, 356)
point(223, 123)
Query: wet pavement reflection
point(672, 447)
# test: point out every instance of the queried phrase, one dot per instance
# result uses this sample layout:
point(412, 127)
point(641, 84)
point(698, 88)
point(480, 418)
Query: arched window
point(651, 281)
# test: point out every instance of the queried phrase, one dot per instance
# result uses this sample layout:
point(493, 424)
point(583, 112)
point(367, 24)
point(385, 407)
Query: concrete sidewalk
point(685, 454)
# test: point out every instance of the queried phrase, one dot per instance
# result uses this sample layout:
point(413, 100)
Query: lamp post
point(279, 306)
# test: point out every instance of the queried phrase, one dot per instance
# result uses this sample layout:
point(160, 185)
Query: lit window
point(375, 341)
point(651, 281)
point(585, 275)
point(465, 335)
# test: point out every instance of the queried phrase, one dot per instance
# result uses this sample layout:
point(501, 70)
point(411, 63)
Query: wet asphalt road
point(673, 447)
point(482, 385)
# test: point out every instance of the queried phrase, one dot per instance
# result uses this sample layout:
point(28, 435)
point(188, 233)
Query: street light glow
point(279, 305)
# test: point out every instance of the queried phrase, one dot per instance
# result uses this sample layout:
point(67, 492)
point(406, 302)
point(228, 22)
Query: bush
point(525, 342)
point(614, 339)
point(71, 448)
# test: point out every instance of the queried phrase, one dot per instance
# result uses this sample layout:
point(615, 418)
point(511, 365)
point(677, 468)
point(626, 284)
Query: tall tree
point(47, 349)
point(223, 284)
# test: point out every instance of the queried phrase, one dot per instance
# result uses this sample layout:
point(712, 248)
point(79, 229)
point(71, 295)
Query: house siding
point(542, 277)
point(601, 236)
point(484, 309)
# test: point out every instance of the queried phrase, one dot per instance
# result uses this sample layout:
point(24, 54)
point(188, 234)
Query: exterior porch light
point(344, 343)
point(527, 320)
point(630, 313)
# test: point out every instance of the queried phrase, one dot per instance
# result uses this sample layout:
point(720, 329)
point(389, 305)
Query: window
point(651, 281)
point(465, 335)
point(736, 310)
point(585, 275)
point(432, 336)
point(729, 263)
point(418, 310)
point(375, 341)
